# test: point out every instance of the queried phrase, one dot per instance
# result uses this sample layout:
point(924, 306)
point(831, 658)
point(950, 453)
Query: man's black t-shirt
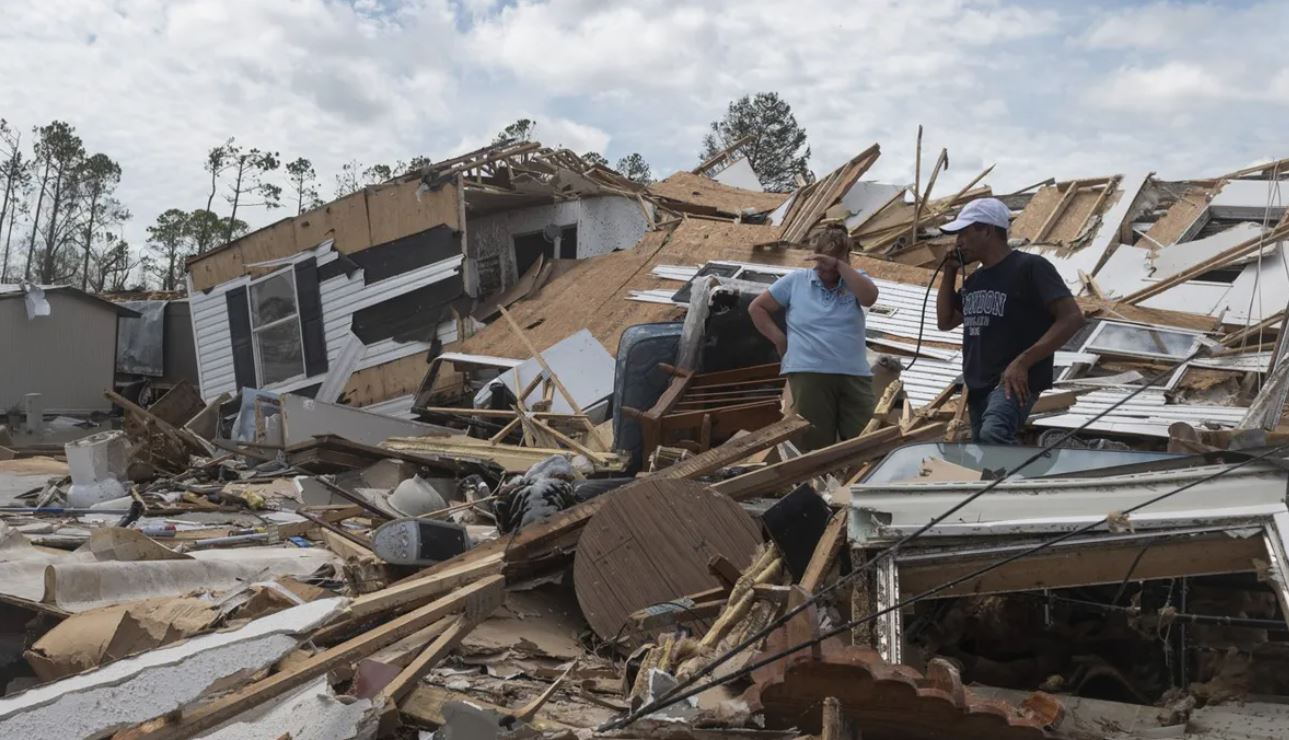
point(1005, 309)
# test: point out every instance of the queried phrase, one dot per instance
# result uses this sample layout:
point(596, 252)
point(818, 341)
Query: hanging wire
point(895, 547)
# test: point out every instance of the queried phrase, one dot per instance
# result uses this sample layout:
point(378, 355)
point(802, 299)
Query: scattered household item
point(97, 463)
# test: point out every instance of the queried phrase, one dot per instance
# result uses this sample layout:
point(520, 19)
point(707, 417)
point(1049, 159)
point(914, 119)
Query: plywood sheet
point(686, 187)
point(1026, 225)
point(1183, 218)
point(383, 382)
point(394, 211)
point(343, 220)
point(652, 544)
point(225, 263)
point(1069, 226)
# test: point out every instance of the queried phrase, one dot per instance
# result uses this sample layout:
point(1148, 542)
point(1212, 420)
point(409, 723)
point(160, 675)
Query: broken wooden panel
point(1061, 213)
point(888, 702)
point(652, 544)
point(1184, 218)
point(1099, 562)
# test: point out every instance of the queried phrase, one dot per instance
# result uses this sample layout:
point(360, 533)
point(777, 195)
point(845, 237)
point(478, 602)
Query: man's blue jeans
point(995, 418)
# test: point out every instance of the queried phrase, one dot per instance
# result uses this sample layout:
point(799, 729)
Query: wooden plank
point(844, 454)
point(483, 595)
point(1068, 567)
point(826, 552)
point(1056, 212)
point(533, 540)
point(179, 404)
point(415, 591)
point(540, 360)
point(652, 544)
point(433, 653)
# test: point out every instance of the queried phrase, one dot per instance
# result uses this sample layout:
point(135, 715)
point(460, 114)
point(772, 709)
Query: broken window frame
point(889, 628)
point(256, 331)
point(1089, 344)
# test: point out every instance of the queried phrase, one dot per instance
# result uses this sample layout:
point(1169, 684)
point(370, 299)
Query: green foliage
point(596, 159)
point(521, 130)
point(778, 151)
point(634, 167)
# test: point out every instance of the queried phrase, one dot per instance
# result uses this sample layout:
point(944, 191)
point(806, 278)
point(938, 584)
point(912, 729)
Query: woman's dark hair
point(834, 240)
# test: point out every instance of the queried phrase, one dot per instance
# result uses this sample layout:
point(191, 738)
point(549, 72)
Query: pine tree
point(634, 167)
point(777, 153)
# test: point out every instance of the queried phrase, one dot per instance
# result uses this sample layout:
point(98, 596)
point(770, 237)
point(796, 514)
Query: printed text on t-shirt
point(979, 305)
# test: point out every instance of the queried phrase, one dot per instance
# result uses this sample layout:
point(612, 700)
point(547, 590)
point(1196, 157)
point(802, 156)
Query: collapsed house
point(599, 526)
point(346, 300)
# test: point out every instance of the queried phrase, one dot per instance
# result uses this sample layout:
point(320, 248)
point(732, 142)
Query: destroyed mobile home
point(492, 451)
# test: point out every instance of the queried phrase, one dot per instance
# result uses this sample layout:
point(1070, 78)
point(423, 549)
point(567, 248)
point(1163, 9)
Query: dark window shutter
point(239, 326)
point(312, 332)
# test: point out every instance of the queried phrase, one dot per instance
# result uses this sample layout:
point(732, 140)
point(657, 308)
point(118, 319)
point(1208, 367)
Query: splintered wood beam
point(1056, 212)
point(826, 552)
point(514, 325)
point(845, 454)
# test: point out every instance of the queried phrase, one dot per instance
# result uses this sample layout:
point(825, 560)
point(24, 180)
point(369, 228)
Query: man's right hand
point(781, 345)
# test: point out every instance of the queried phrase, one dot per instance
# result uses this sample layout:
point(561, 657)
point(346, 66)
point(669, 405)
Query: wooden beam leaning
point(514, 325)
point(470, 599)
point(841, 455)
point(826, 552)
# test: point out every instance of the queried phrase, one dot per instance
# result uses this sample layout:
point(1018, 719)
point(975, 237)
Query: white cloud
point(1039, 88)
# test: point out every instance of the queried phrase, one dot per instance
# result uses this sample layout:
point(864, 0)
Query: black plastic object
point(730, 340)
point(637, 381)
point(795, 524)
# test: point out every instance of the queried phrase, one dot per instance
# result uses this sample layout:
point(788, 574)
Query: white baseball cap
point(982, 211)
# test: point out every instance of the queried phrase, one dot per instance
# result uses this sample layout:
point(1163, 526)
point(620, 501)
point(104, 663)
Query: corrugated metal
point(898, 311)
point(341, 297)
point(1147, 413)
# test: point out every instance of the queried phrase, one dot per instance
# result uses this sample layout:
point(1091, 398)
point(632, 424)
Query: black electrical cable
point(926, 299)
point(895, 547)
point(677, 696)
point(1220, 620)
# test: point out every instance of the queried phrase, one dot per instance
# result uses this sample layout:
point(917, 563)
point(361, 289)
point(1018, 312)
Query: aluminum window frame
point(1088, 344)
point(289, 271)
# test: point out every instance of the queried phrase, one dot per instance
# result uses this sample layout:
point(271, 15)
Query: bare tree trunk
point(51, 234)
point(4, 210)
point(89, 239)
point(35, 223)
point(237, 195)
point(7, 242)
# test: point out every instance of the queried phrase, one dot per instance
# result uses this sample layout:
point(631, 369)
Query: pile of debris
point(493, 451)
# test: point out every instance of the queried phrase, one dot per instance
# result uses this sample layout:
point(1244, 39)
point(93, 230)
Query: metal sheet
point(1063, 504)
point(582, 364)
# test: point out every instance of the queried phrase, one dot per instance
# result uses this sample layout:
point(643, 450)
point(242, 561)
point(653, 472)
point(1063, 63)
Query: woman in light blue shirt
point(823, 349)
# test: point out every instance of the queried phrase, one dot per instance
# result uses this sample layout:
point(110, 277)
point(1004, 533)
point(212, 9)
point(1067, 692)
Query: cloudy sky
point(1061, 89)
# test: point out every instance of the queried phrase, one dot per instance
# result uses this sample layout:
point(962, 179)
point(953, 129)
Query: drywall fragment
point(140, 688)
point(312, 712)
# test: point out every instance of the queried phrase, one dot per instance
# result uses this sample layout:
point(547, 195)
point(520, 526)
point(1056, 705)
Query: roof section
point(686, 191)
point(9, 290)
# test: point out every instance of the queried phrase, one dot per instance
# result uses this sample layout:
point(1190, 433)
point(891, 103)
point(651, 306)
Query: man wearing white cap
point(1015, 313)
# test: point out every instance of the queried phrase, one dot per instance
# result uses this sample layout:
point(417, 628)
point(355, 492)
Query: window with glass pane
point(275, 325)
point(1147, 341)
